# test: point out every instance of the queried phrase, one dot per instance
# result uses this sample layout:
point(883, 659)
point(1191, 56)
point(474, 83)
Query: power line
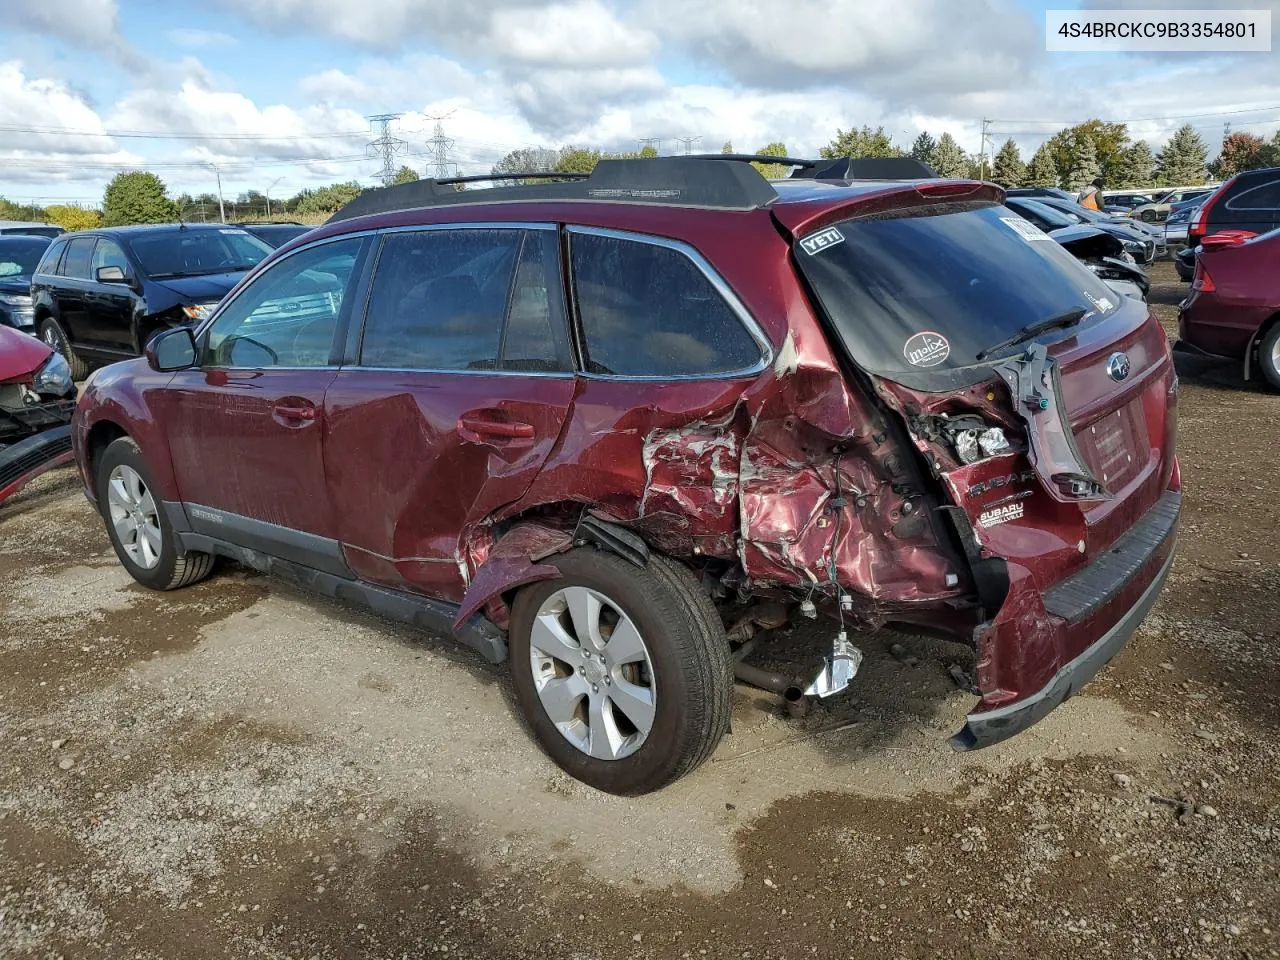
point(655, 142)
point(144, 135)
point(688, 143)
point(385, 146)
point(1178, 116)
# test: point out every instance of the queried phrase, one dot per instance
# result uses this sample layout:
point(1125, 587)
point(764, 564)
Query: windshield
point(1081, 214)
point(18, 258)
point(923, 292)
point(1052, 218)
point(192, 253)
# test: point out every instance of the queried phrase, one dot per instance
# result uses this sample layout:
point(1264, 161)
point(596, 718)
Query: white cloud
point(85, 24)
point(581, 33)
point(198, 39)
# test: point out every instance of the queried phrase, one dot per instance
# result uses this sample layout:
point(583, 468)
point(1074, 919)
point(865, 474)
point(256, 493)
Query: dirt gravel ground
point(239, 770)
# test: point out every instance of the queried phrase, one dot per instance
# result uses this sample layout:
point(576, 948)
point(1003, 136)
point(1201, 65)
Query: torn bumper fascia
point(22, 462)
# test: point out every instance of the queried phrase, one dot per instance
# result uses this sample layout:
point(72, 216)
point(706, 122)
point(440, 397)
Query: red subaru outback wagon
point(583, 424)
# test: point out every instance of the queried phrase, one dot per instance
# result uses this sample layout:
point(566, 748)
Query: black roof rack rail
point(670, 181)
point(755, 158)
point(868, 168)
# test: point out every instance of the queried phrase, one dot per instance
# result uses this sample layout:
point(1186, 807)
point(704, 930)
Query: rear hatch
point(921, 295)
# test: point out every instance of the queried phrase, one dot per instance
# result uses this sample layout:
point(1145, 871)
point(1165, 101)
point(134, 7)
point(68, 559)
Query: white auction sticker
point(1121, 31)
point(1024, 228)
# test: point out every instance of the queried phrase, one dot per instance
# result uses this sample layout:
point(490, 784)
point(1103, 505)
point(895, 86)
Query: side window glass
point(79, 252)
point(49, 262)
point(649, 311)
point(288, 315)
point(534, 338)
point(1265, 196)
point(108, 254)
point(438, 299)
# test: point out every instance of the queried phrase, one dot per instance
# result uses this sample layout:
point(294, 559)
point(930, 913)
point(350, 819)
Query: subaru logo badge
point(1118, 367)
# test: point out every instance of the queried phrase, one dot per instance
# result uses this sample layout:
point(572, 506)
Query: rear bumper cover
point(1153, 536)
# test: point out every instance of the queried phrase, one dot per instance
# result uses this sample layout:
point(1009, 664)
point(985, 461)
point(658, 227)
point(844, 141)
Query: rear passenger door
point(71, 292)
point(460, 384)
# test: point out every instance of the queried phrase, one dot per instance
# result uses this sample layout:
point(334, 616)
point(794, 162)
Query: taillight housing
point(1201, 282)
point(1200, 225)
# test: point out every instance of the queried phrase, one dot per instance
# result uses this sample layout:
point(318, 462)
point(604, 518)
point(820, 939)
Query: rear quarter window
point(52, 256)
point(1257, 196)
point(647, 309)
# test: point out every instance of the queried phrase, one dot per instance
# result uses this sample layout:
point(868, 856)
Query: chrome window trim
point(541, 374)
point(736, 306)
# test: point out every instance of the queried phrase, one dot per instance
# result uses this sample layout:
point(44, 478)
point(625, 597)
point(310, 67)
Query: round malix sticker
point(927, 349)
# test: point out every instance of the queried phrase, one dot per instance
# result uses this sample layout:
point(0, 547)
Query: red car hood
point(20, 354)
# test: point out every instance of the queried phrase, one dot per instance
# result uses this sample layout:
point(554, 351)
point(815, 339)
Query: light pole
point(269, 189)
point(222, 210)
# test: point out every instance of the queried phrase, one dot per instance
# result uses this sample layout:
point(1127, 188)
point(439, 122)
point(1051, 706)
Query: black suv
point(1248, 201)
point(99, 296)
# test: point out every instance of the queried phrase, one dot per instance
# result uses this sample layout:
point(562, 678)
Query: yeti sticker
point(821, 240)
point(926, 349)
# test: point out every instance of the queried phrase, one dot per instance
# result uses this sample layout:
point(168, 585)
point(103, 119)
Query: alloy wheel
point(593, 673)
point(134, 516)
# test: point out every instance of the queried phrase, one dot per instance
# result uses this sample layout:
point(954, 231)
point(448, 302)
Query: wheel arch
point(100, 436)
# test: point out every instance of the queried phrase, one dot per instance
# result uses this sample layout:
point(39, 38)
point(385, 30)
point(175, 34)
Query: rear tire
point(51, 332)
point(679, 670)
point(136, 523)
point(1269, 356)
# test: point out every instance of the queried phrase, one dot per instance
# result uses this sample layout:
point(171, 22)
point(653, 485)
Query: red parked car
point(36, 401)
point(1234, 307)
point(583, 424)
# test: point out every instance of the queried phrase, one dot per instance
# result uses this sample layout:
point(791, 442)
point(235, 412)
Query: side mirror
point(111, 274)
point(171, 350)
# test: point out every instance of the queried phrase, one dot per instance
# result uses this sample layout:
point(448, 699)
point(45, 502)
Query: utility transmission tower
point(438, 148)
point(655, 142)
point(385, 146)
point(688, 143)
point(982, 150)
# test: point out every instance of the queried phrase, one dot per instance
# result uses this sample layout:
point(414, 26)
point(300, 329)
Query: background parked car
point(1138, 240)
point(1158, 210)
point(98, 296)
point(30, 228)
point(37, 398)
point(1234, 307)
point(1122, 202)
point(18, 258)
point(1098, 250)
point(1176, 228)
point(275, 233)
point(1248, 201)
point(1053, 192)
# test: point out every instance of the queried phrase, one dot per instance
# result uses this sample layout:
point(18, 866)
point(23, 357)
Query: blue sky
point(277, 91)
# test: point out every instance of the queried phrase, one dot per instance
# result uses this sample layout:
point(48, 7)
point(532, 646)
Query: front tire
point(623, 672)
point(139, 530)
point(51, 332)
point(1269, 356)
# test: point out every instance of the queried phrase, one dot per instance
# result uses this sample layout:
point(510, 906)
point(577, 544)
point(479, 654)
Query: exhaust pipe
point(792, 694)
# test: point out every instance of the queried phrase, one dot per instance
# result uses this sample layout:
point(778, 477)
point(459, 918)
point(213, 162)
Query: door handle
point(293, 413)
point(505, 429)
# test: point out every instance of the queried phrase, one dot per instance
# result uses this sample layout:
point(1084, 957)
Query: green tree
point(20, 211)
point(923, 147)
point(1135, 169)
point(327, 199)
point(728, 147)
point(1240, 151)
point(1109, 141)
point(860, 143)
point(73, 218)
point(1269, 156)
point(136, 197)
point(1009, 170)
point(1182, 161)
point(577, 160)
point(772, 171)
point(528, 160)
point(948, 159)
point(1043, 169)
point(1084, 164)
point(405, 174)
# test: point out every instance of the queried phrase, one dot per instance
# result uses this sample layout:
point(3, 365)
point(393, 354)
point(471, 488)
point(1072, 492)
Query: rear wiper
point(1068, 318)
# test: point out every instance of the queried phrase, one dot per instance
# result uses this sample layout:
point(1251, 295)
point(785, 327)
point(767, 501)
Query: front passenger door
point(245, 429)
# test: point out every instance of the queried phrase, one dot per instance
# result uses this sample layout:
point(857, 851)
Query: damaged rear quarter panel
point(749, 469)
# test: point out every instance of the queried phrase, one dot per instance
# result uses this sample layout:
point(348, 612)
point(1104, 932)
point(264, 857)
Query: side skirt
point(433, 616)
